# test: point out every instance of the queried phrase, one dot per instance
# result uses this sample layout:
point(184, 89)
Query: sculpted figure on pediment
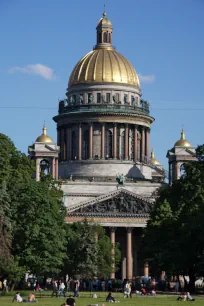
point(122, 203)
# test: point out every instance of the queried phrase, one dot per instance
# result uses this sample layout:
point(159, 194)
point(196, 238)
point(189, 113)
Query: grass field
point(159, 300)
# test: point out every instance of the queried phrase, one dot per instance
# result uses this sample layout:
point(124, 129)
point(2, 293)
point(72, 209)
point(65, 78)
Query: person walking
point(76, 288)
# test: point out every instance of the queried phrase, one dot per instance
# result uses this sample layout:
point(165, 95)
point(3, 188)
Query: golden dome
point(183, 142)
point(153, 159)
point(44, 137)
point(104, 65)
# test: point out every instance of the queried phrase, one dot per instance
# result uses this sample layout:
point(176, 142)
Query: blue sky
point(163, 39)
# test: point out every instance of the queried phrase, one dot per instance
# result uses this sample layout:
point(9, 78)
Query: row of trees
point(174, 237)
point(33, 234)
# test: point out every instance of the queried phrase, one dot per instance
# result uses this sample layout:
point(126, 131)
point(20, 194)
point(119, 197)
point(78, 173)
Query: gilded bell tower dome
point(104, 64)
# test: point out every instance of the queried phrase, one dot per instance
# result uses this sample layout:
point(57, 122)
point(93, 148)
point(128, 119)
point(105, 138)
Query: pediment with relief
point(119, 203)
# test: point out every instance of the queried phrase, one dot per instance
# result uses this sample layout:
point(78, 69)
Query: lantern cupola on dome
point(104, 31)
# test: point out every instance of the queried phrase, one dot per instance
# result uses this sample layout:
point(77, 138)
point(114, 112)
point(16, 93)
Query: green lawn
point(162, 300)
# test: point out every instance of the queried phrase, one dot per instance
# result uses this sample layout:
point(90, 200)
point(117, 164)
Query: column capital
point(115, 124)
point(103, 123)
point(113, 229)
point(126, 125)
point(129, 229)
point(90, 123)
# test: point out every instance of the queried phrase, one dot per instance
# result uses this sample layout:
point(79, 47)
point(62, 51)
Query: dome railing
point(65, 108)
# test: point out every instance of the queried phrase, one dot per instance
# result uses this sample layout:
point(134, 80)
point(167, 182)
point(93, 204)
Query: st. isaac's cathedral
point(102, 156)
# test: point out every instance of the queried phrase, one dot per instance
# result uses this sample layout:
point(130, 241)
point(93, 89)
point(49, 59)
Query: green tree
point(89, 251)
point(39, 235)
point(5, 227)
point(31, 217)
point(174, 237)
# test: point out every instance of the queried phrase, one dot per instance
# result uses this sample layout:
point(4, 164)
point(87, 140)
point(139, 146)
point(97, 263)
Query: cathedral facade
point(102, 155)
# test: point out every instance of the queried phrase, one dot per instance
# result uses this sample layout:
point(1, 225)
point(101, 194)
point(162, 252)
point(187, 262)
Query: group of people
point(18, 298)
point(60, 289)
point(4, 285)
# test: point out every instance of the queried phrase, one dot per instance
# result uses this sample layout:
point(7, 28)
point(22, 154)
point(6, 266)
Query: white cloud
point(37, 69)
point(147, 78)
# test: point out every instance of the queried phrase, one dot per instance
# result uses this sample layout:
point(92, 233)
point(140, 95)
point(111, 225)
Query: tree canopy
point(89, 251)
point(31, 217)
point(33, 235)
point(174, 237)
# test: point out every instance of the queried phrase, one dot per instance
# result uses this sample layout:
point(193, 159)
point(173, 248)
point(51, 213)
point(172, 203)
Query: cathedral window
point(45, 166)
point(117, 97)
point(90, 98)
point(105, 37)
point(86, 145)
point(108, 97)
point(98, 97)
point(182, 171)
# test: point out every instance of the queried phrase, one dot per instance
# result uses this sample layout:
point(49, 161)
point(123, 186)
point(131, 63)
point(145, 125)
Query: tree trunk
point(192, 279)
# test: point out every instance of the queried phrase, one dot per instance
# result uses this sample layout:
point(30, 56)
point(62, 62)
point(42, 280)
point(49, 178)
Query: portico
point(123, 215)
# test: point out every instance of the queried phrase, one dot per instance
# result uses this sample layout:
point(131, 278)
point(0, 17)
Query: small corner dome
point(182, 142)
point(154, 161)
point(44, 137)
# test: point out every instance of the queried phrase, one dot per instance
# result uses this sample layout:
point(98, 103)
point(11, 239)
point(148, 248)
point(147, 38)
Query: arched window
point(109, 38)
point(86, 145)
point(109, 144)
point(182, 171)
point(74, 145)
point(99, 38)
point(105, 37)
point(45, 166)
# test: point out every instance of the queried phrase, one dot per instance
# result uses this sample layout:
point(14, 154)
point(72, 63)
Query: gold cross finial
point(182, 133)
point(44, 129)
point(104, 12)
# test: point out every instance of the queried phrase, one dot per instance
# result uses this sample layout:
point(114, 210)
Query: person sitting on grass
point(153, 293)
point(71, 301)
point(31, 298)
point(18, 298)
point(144, 292)
point(110, 298)
point(189, 297)
point(181, 298)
